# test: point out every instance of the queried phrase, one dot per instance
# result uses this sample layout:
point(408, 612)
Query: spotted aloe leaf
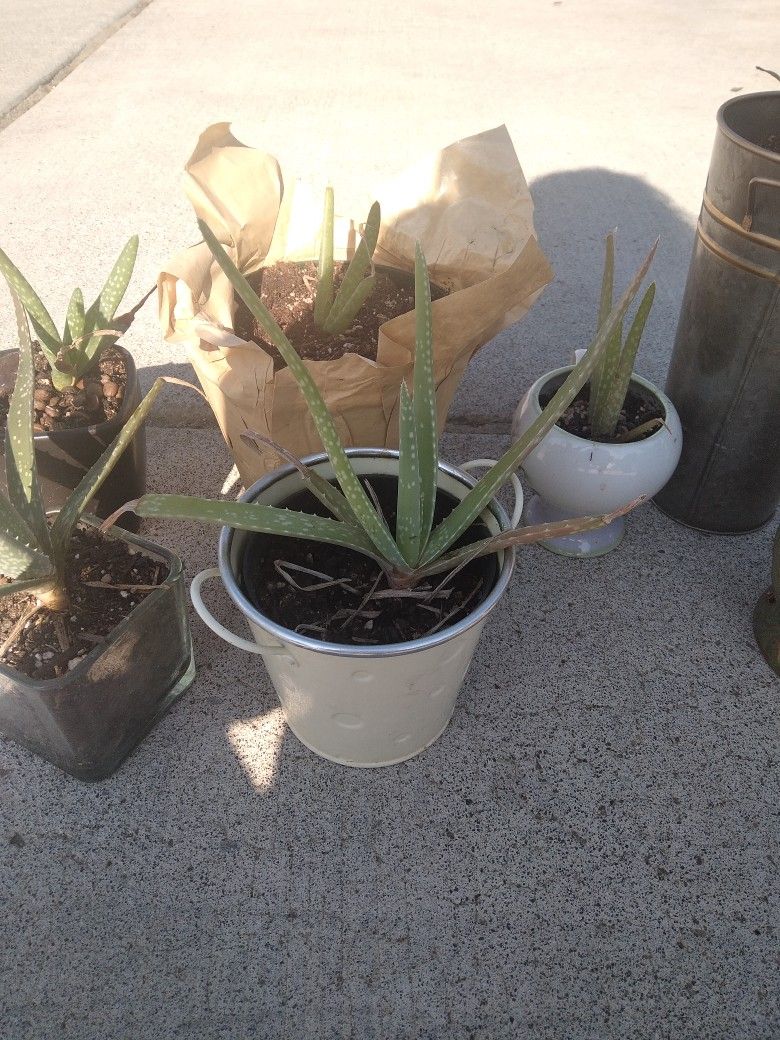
point(610, 380)
point(425, 396)
point(254, 516)
point(21, 477)
point(324, 299)
point(600, 380)
point(358, 500)
point(74, 322)
point(602, 383)
point(617, 387)
point(45, 328)
point(322, 489)
point(99, 315)
point(96, 475)
point(20, 556)
point(408, 512)
point(355, 286)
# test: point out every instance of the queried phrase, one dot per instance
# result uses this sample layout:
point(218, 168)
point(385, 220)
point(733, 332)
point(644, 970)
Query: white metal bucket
point(368, 705)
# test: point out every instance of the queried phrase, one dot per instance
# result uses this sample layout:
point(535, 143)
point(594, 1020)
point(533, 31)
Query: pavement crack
point(63, 71)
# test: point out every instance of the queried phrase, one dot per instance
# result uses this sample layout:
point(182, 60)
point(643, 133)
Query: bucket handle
point(754, 184)
point(208, 619)
point(517, 512)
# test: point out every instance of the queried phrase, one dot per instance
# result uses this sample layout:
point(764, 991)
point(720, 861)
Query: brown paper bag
point(468, 206)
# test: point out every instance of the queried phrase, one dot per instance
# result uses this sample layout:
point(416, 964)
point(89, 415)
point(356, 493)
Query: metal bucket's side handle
point(754, 184)
point(208, 618)
point(517, 512)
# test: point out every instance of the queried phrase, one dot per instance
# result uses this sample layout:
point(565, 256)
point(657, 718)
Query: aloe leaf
point(324, 299)
point(103, 309)
point(601, 384)
point(74, 322)
point(371, 228)
point(607, 280)
point(321, 488)
point(340, 313)
point(425, 396)
point(522, 536)
point(342, 317)
point(26, 584)
point(93, 479)
point(641, 431)
point(21, 476)
point(19, 553)
point(45, 328)
point(467, 511)
point(364, 512)
point(619, 384)
point(598, 381)
point(408, 512)
point(254, 516)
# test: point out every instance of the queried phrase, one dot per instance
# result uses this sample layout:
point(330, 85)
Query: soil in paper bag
point(288, 290)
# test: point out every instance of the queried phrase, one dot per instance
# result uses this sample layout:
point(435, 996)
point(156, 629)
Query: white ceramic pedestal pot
point(358, 705)
point(573, 476)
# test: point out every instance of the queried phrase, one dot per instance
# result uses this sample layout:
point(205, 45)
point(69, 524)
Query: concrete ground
point(590, 850)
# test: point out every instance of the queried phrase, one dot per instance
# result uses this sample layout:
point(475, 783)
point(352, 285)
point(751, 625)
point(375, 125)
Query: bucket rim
point(738, 139)
point(295, 639)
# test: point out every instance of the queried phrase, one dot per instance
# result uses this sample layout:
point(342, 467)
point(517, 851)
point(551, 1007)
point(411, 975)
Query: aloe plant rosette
point(468, 204)
point(348, 713)
point(604, 467)
point(88, 719)
point(66, 454)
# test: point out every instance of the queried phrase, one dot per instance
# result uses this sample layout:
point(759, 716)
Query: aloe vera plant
point(71, 354)
point(417, 549)
point(612, 375)
point(33, 554)
point(335, 312)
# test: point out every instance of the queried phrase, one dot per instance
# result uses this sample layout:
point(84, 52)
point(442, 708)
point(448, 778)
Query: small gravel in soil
point(96, 398)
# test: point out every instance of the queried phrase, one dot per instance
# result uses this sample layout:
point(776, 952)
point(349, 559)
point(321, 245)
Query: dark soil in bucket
point(342, 609)
point(105, 582)
point(638, 408)
point(288, 290)
point(96, 397)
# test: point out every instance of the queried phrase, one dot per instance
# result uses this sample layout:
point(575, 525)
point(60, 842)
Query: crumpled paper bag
point(468, 206)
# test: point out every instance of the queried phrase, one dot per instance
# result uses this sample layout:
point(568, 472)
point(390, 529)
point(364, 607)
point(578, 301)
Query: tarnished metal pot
point(724, 376)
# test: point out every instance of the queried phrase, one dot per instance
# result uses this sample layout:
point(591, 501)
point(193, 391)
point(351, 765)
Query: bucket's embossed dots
point(347, 721)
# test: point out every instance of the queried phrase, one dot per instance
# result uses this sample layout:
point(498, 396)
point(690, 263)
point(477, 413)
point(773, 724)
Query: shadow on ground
point(588, 851)
point(574, 211)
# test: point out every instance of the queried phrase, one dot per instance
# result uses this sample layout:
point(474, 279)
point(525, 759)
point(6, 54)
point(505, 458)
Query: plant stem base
point(585, 545)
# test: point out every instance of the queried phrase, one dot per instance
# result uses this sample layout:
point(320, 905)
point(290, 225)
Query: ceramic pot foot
point(584, 545)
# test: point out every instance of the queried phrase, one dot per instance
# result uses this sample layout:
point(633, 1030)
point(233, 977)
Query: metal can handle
point(208, 619)
point(755, 182)
point(517, 512)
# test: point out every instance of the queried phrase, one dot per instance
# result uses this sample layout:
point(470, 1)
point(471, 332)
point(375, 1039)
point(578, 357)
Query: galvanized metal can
point(724, 377)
